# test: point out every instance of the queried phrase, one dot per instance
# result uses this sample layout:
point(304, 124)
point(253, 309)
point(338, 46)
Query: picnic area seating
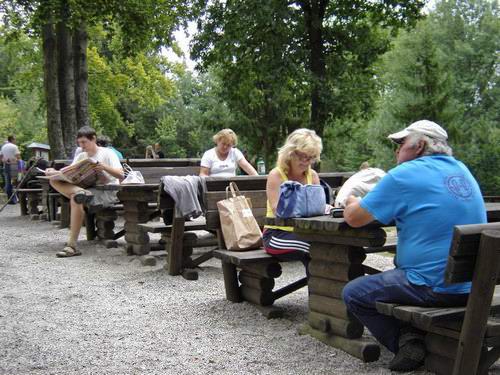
point(138, 203)
point(250, 275)
point(462, 340)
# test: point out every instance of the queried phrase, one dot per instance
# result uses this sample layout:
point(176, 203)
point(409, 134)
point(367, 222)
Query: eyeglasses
point(304, 157)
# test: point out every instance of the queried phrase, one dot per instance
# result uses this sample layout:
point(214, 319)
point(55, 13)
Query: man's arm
point(355, 215)
point(115, 172)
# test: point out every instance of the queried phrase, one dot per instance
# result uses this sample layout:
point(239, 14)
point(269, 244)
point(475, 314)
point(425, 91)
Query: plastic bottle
point(261, 166)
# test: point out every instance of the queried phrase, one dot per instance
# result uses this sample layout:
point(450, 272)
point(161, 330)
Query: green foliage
point(283, 62)
point(21, 117)
point(446, 70)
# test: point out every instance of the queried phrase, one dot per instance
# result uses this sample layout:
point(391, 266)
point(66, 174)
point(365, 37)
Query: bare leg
point(77, 213)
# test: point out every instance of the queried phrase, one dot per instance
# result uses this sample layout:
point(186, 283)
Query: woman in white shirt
point(222, 160)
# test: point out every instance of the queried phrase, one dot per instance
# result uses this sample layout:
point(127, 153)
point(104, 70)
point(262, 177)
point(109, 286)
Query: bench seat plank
point(160, 227)
point(425, 317)
point(32, 190)
point(239, 258)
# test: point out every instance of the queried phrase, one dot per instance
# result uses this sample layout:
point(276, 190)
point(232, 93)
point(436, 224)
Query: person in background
point(301, 149)
point(150, 153)
point(159, 153)
point(223, 159)
point(10, 155)
point(426, 195)
point(107, 163)
point(105, 141)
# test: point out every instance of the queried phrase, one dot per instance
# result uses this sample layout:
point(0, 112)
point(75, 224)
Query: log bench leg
point(231, 282)
point(23, 203)
point(90, 226)
point(105, 223)
point(33, 202)
point(175, 247)
point(65, 212)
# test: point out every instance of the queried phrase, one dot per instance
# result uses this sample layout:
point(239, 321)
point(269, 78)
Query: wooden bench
point(139, 205)
point(250, 275)
point(181, 162)
point(463, 340)
point(180, 238)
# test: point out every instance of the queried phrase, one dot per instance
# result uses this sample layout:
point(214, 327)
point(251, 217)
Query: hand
point(50, 171)
point(352, 199)
point(100, 167)
point(328, 209)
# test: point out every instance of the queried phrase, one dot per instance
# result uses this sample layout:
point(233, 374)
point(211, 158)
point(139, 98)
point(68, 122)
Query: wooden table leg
point(332, 266)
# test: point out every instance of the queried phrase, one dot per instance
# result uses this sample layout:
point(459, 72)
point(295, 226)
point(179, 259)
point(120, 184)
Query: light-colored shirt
point(9, 152)
point(221, 168)
point(105, 156)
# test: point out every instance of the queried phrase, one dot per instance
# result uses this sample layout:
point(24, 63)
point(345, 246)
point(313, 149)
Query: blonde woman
point(301, 149)
point(223, 159)
point(150, 153)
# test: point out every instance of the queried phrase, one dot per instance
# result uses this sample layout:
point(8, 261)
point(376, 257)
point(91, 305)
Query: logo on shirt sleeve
point(459, 186)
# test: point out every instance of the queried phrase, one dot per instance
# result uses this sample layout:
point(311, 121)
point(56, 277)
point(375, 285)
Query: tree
point(146, 24)
point(415, 84)
point(446, 70)
point(284, 62)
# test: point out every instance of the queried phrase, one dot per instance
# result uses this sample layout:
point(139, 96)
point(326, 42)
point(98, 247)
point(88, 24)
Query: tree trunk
point(54, 129)
point(80, 40)
point(66, 81)
point(314, 13)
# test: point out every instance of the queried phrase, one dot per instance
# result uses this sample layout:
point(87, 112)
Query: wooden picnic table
point(493, 211)
point(50, 200)
point(337, 254)
point(136, 201)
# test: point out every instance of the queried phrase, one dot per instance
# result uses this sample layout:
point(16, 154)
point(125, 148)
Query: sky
point(183, 37)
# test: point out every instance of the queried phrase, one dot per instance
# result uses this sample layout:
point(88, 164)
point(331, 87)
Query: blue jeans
point(361, 294)
point(7, 171)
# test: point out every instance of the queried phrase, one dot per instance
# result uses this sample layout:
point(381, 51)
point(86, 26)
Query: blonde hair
point(302, 140)
point(150, 153)
point(226, 135)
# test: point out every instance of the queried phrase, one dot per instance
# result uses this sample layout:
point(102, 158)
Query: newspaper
point(82, 173)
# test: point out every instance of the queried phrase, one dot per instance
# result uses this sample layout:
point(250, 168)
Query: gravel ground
point(105, 313)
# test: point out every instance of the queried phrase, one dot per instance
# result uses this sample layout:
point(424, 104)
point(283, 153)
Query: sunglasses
point(304, 157)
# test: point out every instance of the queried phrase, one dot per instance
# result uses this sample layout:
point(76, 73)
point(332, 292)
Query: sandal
point(83, 196)
point(67, 252)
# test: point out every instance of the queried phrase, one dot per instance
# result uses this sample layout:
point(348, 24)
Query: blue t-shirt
point(426, 197)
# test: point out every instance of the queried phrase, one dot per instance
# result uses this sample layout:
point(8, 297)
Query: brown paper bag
point(239, 227)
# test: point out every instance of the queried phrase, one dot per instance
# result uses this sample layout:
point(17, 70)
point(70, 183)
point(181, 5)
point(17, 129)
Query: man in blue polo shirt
point(426, 195)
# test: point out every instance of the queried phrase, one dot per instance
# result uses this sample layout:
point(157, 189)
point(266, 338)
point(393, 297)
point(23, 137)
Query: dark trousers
point(361, 294)
point(9, 188)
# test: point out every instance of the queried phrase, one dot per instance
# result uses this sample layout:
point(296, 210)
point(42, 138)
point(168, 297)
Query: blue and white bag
point(297, 200)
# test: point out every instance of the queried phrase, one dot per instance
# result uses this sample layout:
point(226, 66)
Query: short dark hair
point(103, 141)
point(11, 138)
point(87, 132)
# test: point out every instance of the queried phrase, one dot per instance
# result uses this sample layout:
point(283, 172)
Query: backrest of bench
point(253, 187)
point(185, 162)
point(463, 251)
point(154, 174)
point(60, 163)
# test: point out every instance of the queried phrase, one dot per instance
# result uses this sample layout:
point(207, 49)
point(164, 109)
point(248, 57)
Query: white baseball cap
point(425, 127)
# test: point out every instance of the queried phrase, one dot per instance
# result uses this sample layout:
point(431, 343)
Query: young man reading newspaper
point(107, 164)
